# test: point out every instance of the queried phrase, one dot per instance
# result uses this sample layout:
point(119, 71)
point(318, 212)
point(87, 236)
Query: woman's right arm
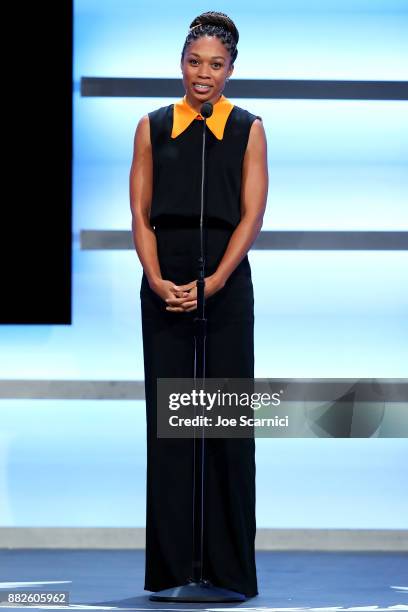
point(141, 189)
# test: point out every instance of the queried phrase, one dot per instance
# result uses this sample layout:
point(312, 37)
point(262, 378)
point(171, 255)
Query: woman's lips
point(204, 89)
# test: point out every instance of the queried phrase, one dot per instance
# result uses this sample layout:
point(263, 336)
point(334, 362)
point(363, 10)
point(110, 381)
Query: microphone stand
point(199, 589)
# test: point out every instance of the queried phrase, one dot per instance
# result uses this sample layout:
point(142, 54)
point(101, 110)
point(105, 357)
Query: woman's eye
point(216, 65)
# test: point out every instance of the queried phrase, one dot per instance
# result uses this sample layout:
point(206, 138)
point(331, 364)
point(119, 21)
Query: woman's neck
point(196, 104)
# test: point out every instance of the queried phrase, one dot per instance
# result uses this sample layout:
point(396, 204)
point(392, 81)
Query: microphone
point(206, 110)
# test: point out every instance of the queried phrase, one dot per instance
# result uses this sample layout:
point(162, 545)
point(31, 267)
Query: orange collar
point(184, 114)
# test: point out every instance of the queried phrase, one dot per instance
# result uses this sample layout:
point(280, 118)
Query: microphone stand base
point(202, 591)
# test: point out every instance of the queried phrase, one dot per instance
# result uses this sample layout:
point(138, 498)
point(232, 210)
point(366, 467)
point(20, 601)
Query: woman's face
point(206, 61)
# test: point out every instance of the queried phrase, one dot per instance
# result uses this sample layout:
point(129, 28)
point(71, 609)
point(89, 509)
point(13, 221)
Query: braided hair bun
point(217, 24)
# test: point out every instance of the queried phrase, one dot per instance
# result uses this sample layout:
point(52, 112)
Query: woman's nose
point(203, 73)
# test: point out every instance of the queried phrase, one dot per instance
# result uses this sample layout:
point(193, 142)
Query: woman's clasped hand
point(183, 298)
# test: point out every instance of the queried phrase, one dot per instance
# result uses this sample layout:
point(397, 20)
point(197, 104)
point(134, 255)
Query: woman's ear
point(230, 71)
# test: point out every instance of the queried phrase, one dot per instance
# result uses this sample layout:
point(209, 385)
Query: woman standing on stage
point(165, 187)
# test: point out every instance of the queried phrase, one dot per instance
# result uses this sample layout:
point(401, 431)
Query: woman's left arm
point(254, 191)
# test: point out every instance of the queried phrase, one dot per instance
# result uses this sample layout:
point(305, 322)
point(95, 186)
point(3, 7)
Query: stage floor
point(294, 580)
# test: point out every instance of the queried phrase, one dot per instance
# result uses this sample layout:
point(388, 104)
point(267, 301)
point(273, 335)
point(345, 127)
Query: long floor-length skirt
point(229, 494)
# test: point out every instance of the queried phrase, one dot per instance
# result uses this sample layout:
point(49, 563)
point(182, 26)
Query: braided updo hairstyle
point(216, 24)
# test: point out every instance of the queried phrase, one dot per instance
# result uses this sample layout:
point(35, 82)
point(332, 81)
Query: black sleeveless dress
point(168, 344)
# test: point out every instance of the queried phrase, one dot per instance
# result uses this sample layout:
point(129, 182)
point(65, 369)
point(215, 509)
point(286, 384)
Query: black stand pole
point(198, 589)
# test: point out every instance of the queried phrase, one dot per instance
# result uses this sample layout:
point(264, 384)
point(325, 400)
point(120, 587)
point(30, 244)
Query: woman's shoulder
point(161, 112)
point(244, 116)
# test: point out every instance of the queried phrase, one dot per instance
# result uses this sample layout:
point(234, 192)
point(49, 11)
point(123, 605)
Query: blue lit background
point(333, 164)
